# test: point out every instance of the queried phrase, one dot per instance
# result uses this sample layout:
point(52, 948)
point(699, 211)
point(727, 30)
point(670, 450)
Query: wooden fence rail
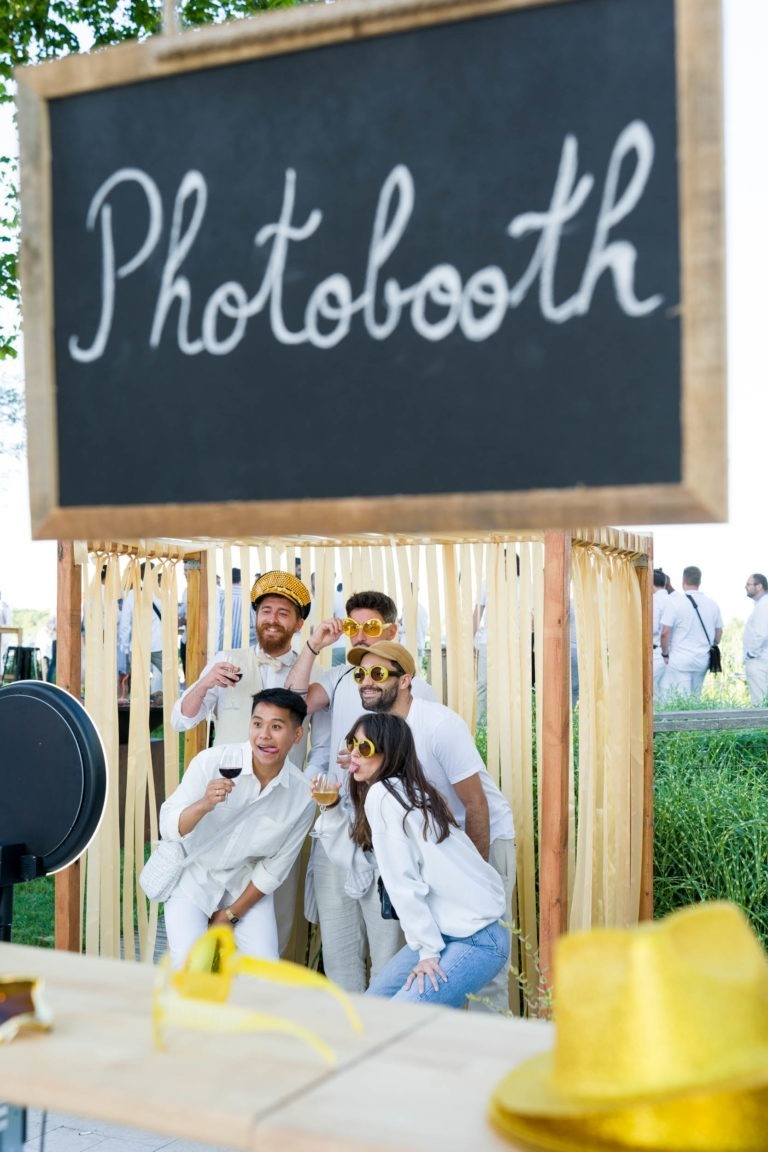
point(710, 720)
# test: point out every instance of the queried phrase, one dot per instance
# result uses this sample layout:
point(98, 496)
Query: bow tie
point(272, 661)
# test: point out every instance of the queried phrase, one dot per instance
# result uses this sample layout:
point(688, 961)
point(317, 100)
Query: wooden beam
point(555, 747)
point(645, 577)
point(67, 930)
point(196, 569)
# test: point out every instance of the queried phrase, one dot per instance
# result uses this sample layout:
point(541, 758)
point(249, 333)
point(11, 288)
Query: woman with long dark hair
point(448, 899)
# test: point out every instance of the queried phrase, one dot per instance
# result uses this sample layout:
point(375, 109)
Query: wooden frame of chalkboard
point(384, 265)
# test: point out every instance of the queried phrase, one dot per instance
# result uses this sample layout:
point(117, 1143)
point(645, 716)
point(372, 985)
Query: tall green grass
point(711, 817)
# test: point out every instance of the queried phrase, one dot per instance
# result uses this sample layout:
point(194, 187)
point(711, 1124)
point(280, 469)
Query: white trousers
point(659, 676)
point(757, 679)
point(351, 928)
point(495, 996)
point(255, 935)
point(285, 905)
point(682, 682)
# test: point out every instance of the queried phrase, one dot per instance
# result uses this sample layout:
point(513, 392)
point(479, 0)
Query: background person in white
point(6, 641)
point(756, 640)
point(452, 764)
point(228, 683)
point(351, 925)
point(233, 881)
point(659, 664)
point(684, 644)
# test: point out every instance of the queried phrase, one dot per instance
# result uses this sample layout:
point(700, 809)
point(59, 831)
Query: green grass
point(711, 817)
point(33, 912)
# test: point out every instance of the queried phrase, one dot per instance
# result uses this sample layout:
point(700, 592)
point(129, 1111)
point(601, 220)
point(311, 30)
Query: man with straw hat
point(661, 1042)
point(228, 683)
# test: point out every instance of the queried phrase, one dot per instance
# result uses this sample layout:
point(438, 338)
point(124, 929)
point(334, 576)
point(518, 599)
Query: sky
point(726, 553)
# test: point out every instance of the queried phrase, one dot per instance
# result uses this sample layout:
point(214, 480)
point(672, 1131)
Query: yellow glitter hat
point(282, 584)
point(661, 1041)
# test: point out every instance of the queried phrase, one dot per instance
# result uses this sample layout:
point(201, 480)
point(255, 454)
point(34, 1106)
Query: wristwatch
point(231, 916)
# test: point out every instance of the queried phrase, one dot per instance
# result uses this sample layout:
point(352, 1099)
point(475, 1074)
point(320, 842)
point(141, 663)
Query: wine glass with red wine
point(231, 765)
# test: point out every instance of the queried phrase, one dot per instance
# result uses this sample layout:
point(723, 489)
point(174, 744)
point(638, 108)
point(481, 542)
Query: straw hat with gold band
point(282, 584)
point(661, 1041)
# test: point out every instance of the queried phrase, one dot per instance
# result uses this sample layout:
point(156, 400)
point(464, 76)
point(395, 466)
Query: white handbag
point(163, 870)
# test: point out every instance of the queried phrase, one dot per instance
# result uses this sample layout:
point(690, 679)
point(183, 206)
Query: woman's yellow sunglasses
point(365, 747)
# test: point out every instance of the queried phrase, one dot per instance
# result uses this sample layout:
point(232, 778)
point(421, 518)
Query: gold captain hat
point(285, 584)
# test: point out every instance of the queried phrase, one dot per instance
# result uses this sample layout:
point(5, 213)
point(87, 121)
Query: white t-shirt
point(262, 848)
point(688, 646)
point(437, 890)
point(448, 755)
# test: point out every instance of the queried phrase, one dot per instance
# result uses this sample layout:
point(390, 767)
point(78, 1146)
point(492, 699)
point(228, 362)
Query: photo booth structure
point(580, 780)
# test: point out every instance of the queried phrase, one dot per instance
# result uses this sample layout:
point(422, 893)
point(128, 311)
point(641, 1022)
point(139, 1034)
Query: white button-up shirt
point(261, 848)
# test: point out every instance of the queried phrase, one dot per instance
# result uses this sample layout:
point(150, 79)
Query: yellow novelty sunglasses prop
point(196, 997)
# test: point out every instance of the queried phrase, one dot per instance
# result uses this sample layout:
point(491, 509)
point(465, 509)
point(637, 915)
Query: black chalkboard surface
point(435, 260)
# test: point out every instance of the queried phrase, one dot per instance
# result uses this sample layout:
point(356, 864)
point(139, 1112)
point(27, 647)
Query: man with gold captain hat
point(226, 687)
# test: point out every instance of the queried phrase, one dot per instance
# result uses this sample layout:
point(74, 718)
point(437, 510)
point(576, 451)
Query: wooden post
point(67, 931)
point(555, 747)
point(196, 568)
point(645, 576)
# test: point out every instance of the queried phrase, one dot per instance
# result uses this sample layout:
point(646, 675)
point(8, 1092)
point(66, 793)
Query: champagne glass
point(342, 756)
point(231, 765)
point(324, 792)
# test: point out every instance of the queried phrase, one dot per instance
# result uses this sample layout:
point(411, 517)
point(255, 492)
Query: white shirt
point(231, 707)
point(688, 646)
point(437, 890)
point(125, 626)
point(660, 598)
point(261, 849)
point(448, 755)
point(5, 622)
point(330, 727)
point(756, 630)
point(237, 618)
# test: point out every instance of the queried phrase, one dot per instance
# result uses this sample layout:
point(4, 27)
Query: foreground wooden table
point(417, 1078)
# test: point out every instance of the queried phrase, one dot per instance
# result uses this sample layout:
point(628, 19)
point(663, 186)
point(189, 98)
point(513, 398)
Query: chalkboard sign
point(379, 266)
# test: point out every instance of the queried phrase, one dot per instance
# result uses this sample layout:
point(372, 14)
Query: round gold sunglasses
point(377, 674)
point(372, 627)
point(365, 747)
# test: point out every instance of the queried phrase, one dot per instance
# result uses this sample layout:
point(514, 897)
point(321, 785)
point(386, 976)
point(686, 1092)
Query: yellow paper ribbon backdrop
point(449, 579)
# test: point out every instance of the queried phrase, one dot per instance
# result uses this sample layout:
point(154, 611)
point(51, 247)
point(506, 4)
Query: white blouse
point(437, 890)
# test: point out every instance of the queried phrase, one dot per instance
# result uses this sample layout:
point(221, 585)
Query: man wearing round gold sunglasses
point(351, 924)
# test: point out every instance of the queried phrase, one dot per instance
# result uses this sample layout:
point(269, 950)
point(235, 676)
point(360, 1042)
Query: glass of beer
point(324, 792)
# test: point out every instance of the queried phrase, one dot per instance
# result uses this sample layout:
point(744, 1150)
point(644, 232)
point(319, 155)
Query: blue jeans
point(469, 962)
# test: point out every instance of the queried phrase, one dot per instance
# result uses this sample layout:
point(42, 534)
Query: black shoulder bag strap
point(696, 609)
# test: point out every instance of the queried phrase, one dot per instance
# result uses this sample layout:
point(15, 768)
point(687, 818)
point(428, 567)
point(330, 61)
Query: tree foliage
point(36, 30)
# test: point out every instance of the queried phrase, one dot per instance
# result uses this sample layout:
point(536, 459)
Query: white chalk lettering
point(435, 305)
point(101, 209)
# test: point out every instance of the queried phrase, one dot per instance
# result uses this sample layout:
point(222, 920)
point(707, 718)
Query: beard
point(382, 697)
point(274, 642)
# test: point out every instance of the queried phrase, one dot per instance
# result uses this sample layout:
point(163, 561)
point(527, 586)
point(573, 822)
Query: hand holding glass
point(324, 791)
point(231, 765)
